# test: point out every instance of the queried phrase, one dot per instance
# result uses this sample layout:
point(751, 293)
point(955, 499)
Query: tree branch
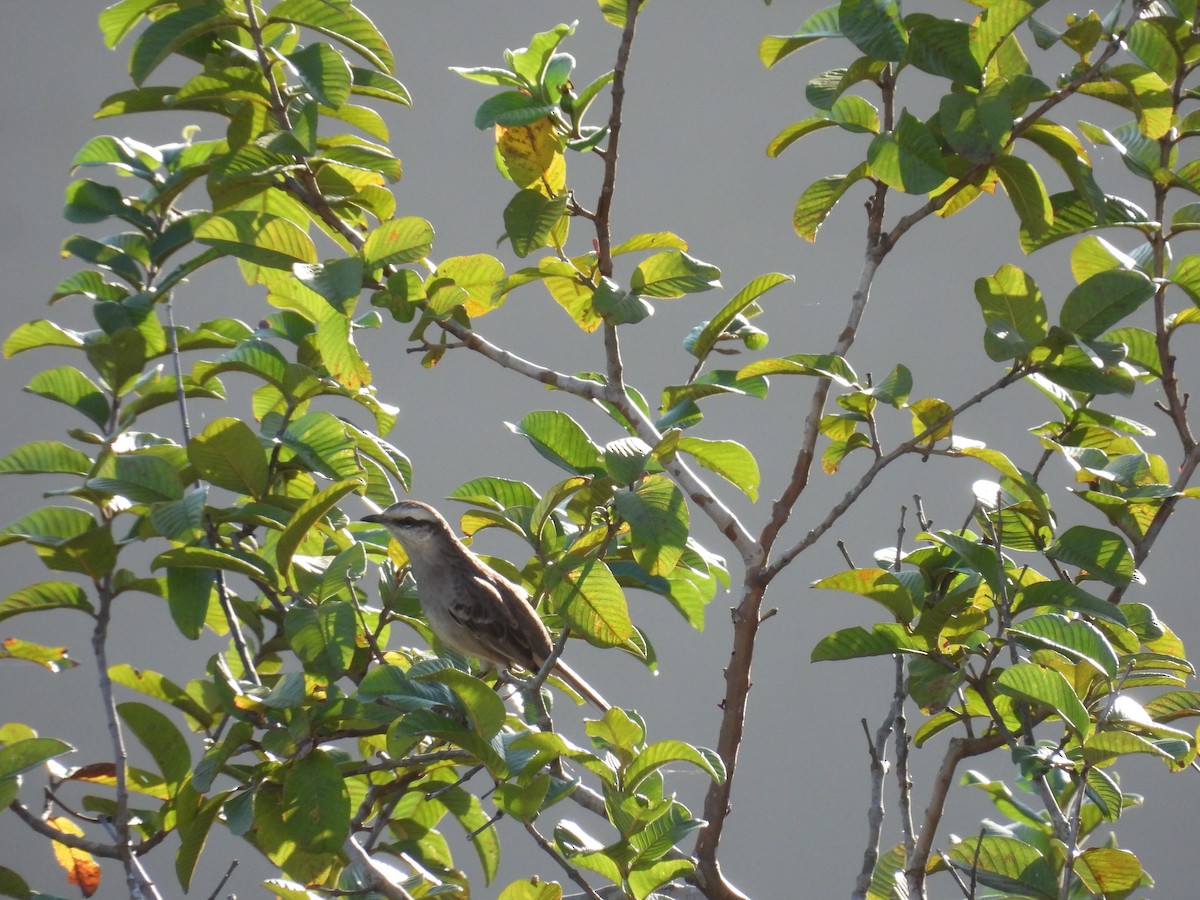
point(959, 749)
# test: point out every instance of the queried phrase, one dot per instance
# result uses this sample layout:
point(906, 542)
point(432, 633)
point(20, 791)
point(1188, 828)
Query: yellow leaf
point(81, 869)
point(532, 156)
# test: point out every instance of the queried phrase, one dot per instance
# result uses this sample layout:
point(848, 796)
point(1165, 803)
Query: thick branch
point(959, 749)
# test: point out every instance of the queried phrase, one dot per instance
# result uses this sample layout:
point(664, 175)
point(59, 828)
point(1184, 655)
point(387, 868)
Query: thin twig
point(904, 782)
point(877, 750)
point(224, 880)
point(572, 872)
point(877, 466)
point(381, 878)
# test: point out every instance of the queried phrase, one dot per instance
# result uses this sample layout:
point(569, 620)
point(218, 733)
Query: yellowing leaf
point(81, 869)
point(531, 156)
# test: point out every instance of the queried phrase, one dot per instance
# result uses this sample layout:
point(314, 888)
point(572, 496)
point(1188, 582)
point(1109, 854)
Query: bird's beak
point(374, 518)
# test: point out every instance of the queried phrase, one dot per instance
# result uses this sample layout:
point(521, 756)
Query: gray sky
point(700, 110)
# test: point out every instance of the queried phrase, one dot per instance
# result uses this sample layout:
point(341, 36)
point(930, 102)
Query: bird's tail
point(576, 683)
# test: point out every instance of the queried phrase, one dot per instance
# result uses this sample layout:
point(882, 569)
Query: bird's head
point(411, 520)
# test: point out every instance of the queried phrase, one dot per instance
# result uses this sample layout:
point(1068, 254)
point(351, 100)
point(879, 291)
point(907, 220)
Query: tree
point(338, 755)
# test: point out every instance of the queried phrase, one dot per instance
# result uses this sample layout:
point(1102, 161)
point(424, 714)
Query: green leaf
point(874, 27)
point(152, 684)
point(1098, 553)
point(1103, 300)
point(511, 109)
point(657, 240)
point(260, 238)
point(45, 457)
point(159, 735)
point(55, 659)
point(307, 516)
point(316, 804)
point(193, 836)
point(660, 753)
point(942, 47)
point(49, 526)
point(875, 584)
point(119, 19)
point(820, 365)
point(977, 126)
point(645, 879)
point(171, 32)
point(230, 455)
point(625, 459)
point(496, 493)
point(716, 327)
point(323, 442)
point(1108, 745)
point(484, 706)
point(342, 21)
point(560, 439)
point(593, 604)
point(324, 72)
point(797, 130)
point(658, 521)
point(140, 478)
point(818, 201)
point(530, 218)
point(189, 595)
point(479, 275)
point(1070, 596)
point(1013, 311)
point(207, 558)
point(89, 202)
point(1046, 687)
point(1109, 871)
point(181, 519)
point(884, 639)
point(397, 241)
point(729, 459)
point(931, 413)
point(106, 256)
point(672, 273)
point(29, 753)
point(491, 75)
point(617, 306)
point(1076, 639)
point(533, 63)
point(524, 800)
point(381, 86)
point(67, 385)
point(1005, 864)
point(46, 595)
point(1073, 214)
point(535, 889)
point(339, 281)
point(254, 357)
point(907, 158)
point(323, 637)
point(1027, 194)
point(822, 24)
point(854, 114)
point(41, 333)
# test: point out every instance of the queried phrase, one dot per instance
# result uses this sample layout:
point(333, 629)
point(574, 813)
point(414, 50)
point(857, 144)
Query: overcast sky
point(701, 108)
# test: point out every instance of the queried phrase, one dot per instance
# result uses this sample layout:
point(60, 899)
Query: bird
point(471, 607)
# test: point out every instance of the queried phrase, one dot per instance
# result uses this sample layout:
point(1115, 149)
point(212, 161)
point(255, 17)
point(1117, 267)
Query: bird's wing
point(507, 625)
point(513, 629)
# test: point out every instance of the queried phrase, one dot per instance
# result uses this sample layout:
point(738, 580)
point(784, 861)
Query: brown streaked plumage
point(471, 607)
